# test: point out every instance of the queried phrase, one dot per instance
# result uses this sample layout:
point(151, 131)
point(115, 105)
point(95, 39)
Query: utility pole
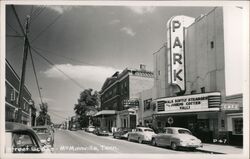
point(21, 84)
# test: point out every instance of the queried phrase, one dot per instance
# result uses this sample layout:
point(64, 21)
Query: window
point(237, 126)
point(159, 72)
point(159, 124)
point(203, 89)
point(222, 123)
point(212, 44)
point(12, 95)
point(193, 91)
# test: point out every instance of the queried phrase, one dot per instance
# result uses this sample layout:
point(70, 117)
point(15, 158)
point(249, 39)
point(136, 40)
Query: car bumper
point(191, 145)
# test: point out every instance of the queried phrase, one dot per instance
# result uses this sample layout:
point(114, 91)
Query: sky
point(88, 43)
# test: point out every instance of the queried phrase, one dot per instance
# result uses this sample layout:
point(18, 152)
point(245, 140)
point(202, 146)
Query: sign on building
point(176, 52)
point(197, 102)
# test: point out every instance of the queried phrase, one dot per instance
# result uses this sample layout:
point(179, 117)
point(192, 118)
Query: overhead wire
point(48, 26)
point(52, 64)
point(65, 57)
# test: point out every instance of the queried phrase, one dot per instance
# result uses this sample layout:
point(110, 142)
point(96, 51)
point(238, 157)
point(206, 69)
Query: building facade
point(119, 97)
point(28, 109)
point(192, 77)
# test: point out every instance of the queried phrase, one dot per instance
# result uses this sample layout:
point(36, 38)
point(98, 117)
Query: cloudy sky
point(88, 43)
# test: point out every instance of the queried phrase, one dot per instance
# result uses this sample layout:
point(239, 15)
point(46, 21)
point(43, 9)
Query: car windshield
point(150, 130)
point(41, 130)
point(183, 131)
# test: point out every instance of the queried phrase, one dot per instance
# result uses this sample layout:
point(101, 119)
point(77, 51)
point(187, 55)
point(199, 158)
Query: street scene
point(98, 79)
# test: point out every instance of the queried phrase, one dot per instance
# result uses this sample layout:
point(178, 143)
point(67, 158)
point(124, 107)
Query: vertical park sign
point(176, 51)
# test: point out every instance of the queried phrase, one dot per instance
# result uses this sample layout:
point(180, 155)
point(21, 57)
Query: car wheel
point(140, 140)
point(129, 138)
point(173, 146)
point(192, 149)
point(154, 142)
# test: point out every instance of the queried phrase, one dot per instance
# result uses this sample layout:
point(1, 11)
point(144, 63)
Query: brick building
point(119, 100)
point(28, 109)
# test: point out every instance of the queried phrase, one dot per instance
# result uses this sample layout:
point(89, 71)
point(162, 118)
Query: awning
point(105, 112)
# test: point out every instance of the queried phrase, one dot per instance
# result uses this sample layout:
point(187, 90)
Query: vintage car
point(141, 134)
point(122, 133)
point(176, 137)
point(20, 138)
point(102, 132)
point(45, 134)
point(90, 129)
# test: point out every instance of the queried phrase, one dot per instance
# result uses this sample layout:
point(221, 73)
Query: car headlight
point(48, 139)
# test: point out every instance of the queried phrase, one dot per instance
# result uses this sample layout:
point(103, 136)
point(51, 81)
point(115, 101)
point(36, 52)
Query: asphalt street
point(82, 142)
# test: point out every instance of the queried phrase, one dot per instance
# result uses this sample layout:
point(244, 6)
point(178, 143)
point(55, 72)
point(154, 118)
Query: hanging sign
point(176, 61)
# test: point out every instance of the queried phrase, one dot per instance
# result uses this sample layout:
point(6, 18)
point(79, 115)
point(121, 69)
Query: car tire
point(129, 138)
point(174, 146)
point(140, 140)
point(154, 142)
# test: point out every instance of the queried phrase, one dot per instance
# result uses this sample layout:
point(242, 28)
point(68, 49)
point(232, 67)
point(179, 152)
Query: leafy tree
point(43, 118)
point(87, 104)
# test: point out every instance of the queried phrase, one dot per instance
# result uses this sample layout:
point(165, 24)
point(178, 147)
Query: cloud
point(59, 9)
point(128, 31)
point(115, 21)
point(142, 10)
point(81, 72)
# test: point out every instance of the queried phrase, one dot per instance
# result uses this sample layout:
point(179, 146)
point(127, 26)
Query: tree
point(87, 104)
point(43, 118)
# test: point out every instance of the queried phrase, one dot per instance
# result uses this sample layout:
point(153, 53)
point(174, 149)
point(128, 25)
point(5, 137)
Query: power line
point(65, 57)
point(34, 70)
point(40, 12)
point(74, 81)
point(13, 28)
point(18, 20)
point(40, 33)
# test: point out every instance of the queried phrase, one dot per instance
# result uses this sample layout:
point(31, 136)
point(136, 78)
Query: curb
point(211, 152)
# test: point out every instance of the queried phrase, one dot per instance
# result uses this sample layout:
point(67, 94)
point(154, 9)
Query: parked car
point(122, 133)
point(90, 129)
point(176, 137)
point(141, 134)
point(45, 134)
point(20, 138)
point(102, 132)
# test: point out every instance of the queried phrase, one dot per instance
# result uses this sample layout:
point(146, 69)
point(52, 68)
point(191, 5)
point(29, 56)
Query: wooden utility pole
point(21, 84)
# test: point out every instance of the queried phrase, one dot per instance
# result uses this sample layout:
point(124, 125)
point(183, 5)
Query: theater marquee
point(197, 102)
point(176, 61)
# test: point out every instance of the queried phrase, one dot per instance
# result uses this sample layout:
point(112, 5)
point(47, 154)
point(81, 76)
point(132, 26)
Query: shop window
point(237, 126)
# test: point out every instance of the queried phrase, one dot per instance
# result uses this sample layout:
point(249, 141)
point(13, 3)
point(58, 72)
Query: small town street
point(82, 142)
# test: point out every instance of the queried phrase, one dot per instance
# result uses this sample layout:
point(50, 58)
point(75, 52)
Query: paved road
point(83, 142)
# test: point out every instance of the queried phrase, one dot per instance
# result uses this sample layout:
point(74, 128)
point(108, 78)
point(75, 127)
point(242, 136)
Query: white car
point(176, 137)
point(90, 129)
point(141, 134)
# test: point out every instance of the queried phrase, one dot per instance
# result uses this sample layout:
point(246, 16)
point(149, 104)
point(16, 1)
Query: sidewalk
point(220, 149)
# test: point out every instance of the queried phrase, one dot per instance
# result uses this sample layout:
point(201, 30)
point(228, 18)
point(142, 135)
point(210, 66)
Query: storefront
point(232, 121)
point(127, 118)
point(198, 113)
point(107, 118)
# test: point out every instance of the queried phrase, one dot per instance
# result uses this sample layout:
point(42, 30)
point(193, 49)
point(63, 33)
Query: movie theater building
point(198, 76)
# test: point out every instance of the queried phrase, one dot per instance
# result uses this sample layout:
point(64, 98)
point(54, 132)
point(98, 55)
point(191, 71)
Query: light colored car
point(20, 138)
point(90, 129)
point(176, 137)
point(141, 134)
